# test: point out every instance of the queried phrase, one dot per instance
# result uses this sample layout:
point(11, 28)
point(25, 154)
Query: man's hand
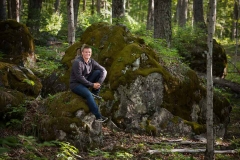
point(96, 85)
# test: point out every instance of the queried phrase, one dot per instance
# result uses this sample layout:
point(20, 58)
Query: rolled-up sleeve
point(103, 74)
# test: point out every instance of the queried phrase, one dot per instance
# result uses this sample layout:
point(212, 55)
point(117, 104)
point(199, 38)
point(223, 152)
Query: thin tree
point(162, 20)
point(99, 7)
point(182, 7)
point(236, 13)
point(71, 28)
point(84, 5)
point(92, 8)
point(3, 10)
point(150, 16)
point(15, 8)
point(209, 155)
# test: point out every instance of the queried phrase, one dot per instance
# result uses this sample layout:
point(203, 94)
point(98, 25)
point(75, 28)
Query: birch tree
point(71, 30)
point(209, 155)
point(150, 16)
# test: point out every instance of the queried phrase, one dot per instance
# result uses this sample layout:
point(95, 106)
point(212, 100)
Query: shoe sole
point(102, 121)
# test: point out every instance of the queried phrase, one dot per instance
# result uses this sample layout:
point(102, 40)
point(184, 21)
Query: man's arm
point(103, 75)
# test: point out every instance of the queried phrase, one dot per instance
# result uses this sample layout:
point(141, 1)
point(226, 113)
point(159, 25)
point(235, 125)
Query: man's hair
point(79, 50)
point(84, 46)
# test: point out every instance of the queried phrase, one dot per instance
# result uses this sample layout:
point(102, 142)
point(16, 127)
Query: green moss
point(220, 103)
point(107, 94)
point(150, 129)
point(197, 128)
point(51, 124)
point(65, 104)
point(9, 97)
point(70, 54)
point(16, 42)
point(16, 78)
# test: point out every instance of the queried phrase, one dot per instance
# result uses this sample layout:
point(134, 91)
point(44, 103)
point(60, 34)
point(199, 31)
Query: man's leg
point(94, 77)
point(84, 92)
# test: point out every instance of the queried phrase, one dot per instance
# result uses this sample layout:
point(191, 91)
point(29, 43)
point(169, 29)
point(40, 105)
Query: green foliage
point(67, 151)
point(28, 145)
point(86, 19)
point(185, 37)
point(51, 22)
point(15, 114)
point(48, 60)
point(108, 155)
point(28, 81)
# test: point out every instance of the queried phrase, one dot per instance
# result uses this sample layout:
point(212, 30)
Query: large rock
point(138, 86)
point(195, 54)
point(65, 116)
point(19, 78)
point(140, 94)
point(16, 44)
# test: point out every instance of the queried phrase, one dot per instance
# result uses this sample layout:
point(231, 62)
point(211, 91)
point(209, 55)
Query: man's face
point(86, 53)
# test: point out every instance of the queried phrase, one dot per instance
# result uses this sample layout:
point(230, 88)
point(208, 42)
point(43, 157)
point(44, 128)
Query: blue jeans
point(84, 92)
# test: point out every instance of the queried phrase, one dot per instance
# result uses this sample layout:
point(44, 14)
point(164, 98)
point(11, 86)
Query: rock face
point(16, 44)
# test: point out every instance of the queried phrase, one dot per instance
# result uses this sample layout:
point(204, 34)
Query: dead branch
point(186, 150)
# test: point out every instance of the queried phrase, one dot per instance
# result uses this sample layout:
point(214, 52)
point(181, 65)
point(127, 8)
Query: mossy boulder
point(138, 85)
point(16, 44)
point(65, 116)
point(195, 55)
point(19, 78)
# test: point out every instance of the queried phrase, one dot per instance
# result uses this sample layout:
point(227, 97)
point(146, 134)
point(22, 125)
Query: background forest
point(171, 28)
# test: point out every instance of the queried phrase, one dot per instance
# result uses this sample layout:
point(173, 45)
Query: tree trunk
point(92, 8)
point(198, 14)
point(15, 8)
point(9, 9)
point(182, 12)
point(209, 155)
point(84, 5)
point(98, 7)
point(162, 20)
point(150, 16)
point(34, 15)
point(236, 19)
point(57, 5)
point(76, 9)
point(3, 10)
point(71, 30)
point(127, 6)
point(118, 10)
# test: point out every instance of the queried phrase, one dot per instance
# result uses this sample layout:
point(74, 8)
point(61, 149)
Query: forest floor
point(118, 145)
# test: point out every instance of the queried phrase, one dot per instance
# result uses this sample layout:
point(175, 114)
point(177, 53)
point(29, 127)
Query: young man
point(85, 73)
